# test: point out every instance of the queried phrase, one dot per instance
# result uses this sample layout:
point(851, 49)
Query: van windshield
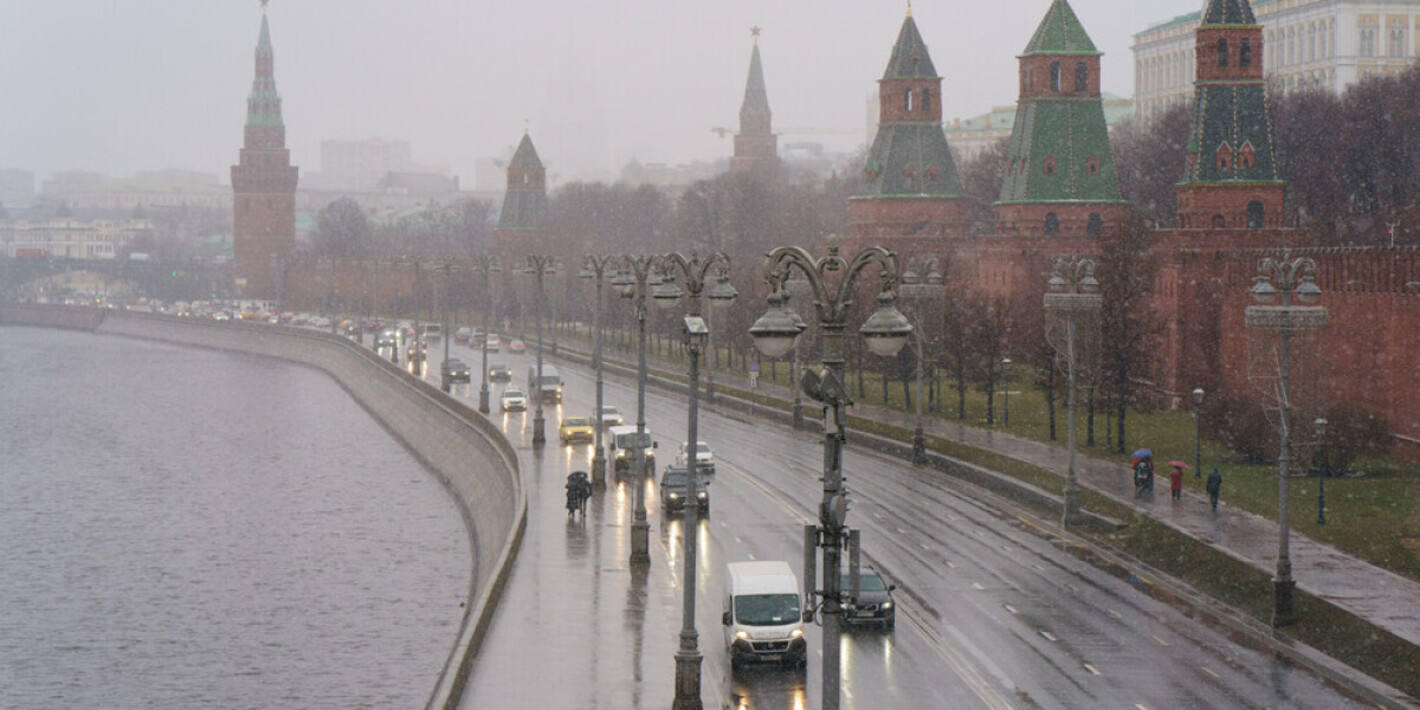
point(767, 609)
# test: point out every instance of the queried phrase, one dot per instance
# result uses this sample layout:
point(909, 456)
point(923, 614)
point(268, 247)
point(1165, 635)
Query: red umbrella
point(1178, 464)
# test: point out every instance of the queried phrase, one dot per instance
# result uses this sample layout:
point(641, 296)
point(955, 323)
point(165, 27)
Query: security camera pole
point(775, 334)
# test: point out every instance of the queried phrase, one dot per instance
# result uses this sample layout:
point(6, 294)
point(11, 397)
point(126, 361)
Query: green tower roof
point(264, 102)
point(526, 155)
point(1229, 122)
point(1059, 152)
point(909, 56)
point(1229, 12)
point(1061, 33)
point(911, 160)
point(756, 95)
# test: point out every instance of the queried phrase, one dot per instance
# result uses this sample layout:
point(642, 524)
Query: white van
point(762, 619)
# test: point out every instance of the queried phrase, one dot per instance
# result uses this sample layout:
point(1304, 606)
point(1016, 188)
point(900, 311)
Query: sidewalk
point(1381, 597)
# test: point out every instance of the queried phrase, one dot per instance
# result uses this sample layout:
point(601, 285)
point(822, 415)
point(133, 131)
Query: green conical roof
point(911, 160)
point(756, 96)
point(909, 56)
point(1061, 33)
point(264, 102)
point(1231, 120)
point(264, 43)
point(1059, 152)
point(1229, 12)
point(526, 155)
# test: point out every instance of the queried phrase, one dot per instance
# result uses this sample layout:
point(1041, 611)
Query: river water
point(182, 528)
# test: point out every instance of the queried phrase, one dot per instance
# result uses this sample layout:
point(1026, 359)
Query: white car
point(704, 457)
point(610, 416)
point(513, 400)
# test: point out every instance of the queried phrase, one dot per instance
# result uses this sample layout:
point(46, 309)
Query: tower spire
point(756, 146)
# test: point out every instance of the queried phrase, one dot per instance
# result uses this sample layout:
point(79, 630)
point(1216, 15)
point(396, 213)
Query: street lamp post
point(693, 270)
point(1295, 278)
point(445, 376)
point(775, 334)
point(918, 286)
point(631, 280)
point(797, 288)
point(538, 265)
point(1321, 470)
point(596, 268)
point(487, 265)
point(1197, 432)
point(1073, 293)
point(1006, 393)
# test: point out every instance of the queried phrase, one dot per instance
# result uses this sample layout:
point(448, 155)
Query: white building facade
point(1307, 44)
point(69, 238)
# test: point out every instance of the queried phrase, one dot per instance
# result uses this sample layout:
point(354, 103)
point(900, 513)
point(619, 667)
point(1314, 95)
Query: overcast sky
point(119, 86)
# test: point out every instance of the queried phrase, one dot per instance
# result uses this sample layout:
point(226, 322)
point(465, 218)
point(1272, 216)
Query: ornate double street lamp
point(1073, 297)
point(1295, 278)
point(631, 280)
point(448, 266)
point(538, 265)
point(487, 265)
point(693, 271)
point(775, 334)
point(921, 281)
point(595, 267)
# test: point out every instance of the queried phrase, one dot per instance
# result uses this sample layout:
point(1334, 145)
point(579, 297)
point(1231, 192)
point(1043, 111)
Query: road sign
point(754, 367)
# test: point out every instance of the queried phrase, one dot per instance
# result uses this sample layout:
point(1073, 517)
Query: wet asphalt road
point(993, 611)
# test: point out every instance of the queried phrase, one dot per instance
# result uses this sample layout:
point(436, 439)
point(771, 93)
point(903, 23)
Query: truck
point(550, 388)
point(762, 618)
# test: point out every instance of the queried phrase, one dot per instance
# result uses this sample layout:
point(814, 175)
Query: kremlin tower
point(756, 146)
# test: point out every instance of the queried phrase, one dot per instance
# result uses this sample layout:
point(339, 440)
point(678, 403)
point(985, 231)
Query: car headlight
point(796, 633)
point(675, 496)
point(742, 635)
point(887, 605)
point(702, 495)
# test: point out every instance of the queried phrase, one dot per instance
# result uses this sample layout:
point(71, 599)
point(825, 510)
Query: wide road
point(993, 611)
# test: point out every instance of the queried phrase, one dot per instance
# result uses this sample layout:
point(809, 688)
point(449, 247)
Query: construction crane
point(797, 131)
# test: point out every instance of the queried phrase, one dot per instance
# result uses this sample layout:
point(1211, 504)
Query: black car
point(675, 487)
point(500, 373)
point(457, 370)
point(874, 603)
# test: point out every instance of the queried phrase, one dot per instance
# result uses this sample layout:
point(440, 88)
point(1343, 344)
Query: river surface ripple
point(182, 528)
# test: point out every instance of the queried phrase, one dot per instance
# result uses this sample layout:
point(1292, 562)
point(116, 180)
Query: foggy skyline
point(119, 86)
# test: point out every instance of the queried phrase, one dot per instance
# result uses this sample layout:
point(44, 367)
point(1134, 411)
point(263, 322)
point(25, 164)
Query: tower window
point(934, 173)
point(1220, 222)
point(1245, 53)
point(926, 100)
point(1092, 165)
point(1247, 157)
point(1048, 165)
point(910, 171)
point(1256, 214)
point(1224, 157)
point(1055, 76)
point(1082, 77)
point(1052, 224)
point(907, 101)
point(1223, 52)
point(1096, 225)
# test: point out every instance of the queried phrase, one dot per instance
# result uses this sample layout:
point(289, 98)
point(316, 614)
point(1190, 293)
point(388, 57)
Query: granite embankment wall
point(473, 459)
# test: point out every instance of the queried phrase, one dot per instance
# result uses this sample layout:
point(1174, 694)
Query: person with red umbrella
point(1176, 479)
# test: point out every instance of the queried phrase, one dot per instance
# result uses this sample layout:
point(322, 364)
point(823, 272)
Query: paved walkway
point(1379, 596)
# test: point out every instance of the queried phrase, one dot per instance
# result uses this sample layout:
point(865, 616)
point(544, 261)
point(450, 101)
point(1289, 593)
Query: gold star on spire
point(754, 32)
point(909, 8)
point(263, 6)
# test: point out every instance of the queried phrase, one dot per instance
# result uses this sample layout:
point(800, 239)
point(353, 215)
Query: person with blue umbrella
point(1143, 463)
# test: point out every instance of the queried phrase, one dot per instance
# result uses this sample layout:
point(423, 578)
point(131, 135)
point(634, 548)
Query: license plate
point(770, 657)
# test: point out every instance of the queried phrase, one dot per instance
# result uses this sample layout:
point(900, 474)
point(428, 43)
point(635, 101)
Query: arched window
point(907, 101)
point(1220, 222)
point(1256, 215)
point(1224, 158)
point(926, 100)
point(1245, 53)
point(1095, 225)
point(1048, 165)
point(1247, 157)
point(1082, 77)
point(1055, 76)
point(1092, 165)
point(1223, 52)
point(1052, 224)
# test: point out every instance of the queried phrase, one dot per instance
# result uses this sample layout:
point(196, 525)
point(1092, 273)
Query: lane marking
point(1072, 587)
point(1115, 614)
point(952, 518)
point(1049, 636)
point(923, 546)
point(1209, 671)
point(1011, 609)
point(978, 586)
point(1007, 548)
point(1161, 641)
point(900, 531)
point(951, 566)
point(877, 515)
point(1037, 567)
point(1092, 669)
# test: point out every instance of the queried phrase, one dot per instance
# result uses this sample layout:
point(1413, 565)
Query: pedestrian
point(1214, 486)
point(1176, 479)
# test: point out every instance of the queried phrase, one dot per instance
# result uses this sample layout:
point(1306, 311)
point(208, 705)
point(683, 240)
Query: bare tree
point(1129, 325)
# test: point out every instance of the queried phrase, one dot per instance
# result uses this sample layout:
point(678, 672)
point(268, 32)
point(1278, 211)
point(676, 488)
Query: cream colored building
point(1326, 44)
point(71, 238)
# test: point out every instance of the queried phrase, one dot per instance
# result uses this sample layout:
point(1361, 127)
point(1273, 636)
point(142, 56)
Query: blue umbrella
point(1142, 454)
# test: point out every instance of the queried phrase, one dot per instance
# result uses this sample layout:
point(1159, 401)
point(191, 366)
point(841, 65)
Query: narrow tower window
point(1082, 77)
point(1092, 165)
point(1223, 52)
point(1245, 53)
point(1052, 224)
point(926, 101)
point(1048, 165)
point(1055, 76)
point(1256, 214)
point(1224, 158)
point(907, 101)
point(1095, 226)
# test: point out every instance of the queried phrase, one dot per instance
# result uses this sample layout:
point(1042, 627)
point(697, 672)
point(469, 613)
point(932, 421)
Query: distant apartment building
point(150, 189)
point(1323, 44)
point(358, 166)
point(70, 238)
point(17, 188)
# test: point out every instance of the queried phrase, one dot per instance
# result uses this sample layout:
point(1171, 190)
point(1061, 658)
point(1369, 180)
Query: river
point(182, 528)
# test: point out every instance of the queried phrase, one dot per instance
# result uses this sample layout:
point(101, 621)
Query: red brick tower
point(264, 185)
point(756, 146)
point(522, 222)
